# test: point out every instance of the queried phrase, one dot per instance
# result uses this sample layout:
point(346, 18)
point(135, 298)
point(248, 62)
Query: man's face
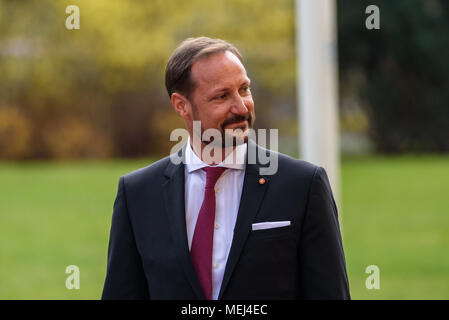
point(222, 97)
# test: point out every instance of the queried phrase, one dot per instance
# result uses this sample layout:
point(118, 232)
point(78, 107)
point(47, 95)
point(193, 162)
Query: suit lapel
point(173, 190)
point(252, 195)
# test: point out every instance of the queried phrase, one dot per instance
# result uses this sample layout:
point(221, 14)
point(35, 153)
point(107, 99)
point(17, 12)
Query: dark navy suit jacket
point(148, 256)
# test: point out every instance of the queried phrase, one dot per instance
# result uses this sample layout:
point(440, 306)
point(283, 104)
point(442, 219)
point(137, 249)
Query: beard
point(229, 137)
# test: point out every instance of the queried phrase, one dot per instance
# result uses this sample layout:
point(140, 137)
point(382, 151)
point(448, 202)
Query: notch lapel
point(174, 197)
point(252, 195)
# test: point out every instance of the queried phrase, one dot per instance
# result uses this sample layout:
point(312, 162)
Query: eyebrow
point(246, 82)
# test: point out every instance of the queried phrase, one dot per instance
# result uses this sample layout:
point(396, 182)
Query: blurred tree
point(15, 134)
point(400, 72)
point(106, 80)
point(99, 91)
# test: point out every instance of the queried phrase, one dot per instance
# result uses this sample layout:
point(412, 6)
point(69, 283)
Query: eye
point(222, 96)
point(245, 89)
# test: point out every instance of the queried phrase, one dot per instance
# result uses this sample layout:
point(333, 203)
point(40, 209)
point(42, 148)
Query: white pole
point(317, 85)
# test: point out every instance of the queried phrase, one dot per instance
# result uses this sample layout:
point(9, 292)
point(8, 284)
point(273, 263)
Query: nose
point(238, 105)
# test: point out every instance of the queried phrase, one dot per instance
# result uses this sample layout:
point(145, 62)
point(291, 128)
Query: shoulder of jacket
point(152, 171)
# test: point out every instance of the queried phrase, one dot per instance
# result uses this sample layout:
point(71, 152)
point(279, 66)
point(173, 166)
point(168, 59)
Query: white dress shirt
point(228, 191)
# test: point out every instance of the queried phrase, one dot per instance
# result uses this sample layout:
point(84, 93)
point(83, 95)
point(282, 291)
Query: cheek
point(220, 113)
point(213, 119)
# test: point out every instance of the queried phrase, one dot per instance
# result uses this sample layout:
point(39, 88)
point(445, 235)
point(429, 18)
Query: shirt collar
point(193, 162)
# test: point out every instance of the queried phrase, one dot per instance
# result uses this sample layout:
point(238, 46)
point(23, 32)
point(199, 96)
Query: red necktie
point(203, 237)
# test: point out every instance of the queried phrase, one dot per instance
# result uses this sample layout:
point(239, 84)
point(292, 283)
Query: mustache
point(237, 119)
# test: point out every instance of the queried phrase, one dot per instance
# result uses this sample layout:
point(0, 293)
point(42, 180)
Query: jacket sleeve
point(322, 267)
point(125, 277)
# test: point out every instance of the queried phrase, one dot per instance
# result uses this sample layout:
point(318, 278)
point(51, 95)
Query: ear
point(182, 105)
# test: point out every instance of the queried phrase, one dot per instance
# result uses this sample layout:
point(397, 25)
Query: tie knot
point(212, 175)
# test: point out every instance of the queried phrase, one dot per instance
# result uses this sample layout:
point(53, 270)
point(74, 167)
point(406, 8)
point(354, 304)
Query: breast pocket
point(267, 268)
point(273, 233)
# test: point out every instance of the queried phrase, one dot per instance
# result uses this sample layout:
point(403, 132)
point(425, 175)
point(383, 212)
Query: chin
point(237, 138)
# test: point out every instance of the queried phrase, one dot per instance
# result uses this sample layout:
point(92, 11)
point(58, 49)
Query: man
point(208, 229)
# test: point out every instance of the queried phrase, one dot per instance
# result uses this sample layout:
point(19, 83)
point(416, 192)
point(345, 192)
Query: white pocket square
point(270, 225)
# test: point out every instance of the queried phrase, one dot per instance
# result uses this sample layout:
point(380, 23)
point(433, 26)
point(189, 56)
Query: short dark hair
point(178, 69)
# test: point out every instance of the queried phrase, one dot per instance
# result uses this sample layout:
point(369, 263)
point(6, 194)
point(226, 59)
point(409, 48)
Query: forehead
point(218, 69)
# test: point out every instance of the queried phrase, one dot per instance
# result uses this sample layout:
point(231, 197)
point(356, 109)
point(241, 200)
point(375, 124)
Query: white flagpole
point(317, 85)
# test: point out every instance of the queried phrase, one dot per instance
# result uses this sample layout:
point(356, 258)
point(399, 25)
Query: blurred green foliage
point(99, 91)
point(399, 73)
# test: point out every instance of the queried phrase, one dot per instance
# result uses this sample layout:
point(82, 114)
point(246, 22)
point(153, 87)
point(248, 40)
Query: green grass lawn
point(395, 215)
